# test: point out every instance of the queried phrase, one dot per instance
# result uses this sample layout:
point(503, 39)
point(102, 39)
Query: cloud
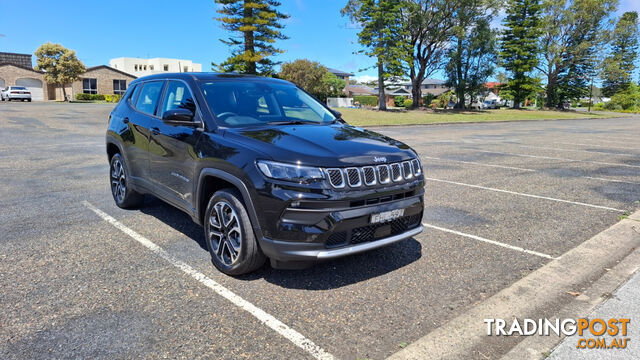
point(365, 78)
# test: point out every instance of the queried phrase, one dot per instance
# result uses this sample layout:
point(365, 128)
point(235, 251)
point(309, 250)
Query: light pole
point(590, 95)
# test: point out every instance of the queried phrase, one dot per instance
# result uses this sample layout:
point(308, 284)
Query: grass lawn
point(364, 117)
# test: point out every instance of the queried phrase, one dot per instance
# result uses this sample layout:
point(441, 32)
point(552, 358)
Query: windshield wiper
point(292, 122)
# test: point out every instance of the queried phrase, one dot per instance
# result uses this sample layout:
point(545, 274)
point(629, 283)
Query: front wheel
point(229, 235)
point(124, 196)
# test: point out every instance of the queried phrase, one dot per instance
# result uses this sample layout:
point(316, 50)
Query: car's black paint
point(173, 161)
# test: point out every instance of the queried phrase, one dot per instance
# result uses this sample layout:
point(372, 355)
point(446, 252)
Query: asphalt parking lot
point(502, 200)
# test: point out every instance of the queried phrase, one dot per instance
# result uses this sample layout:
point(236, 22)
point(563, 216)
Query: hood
point(336, 145)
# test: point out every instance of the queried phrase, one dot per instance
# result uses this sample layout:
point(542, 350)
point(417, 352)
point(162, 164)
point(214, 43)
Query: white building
point(141, 67)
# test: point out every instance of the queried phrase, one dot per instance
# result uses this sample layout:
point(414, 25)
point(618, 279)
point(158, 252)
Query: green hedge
point(366, 100)
point(399, 101)
point(106, 97)
point(408, 103)
point(89, 97)
point(112, 97)
point(427, 99)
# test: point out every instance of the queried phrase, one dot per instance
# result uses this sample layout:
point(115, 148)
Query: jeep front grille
point(396, 175)
point(336, 178)
point(353, 177)
point(369, 175)
point(356, 177)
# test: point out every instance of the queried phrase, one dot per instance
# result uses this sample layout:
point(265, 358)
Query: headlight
point(289, 172)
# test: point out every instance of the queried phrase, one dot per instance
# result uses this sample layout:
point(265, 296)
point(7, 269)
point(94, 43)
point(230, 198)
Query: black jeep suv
point(264, 167)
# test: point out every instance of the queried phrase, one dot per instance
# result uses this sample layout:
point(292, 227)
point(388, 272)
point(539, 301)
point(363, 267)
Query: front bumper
point(320, 234)
point(289, 251)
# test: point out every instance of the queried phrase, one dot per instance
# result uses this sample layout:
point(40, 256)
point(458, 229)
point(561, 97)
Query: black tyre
point(29, 100)
point(124, 196)
point(229, 235)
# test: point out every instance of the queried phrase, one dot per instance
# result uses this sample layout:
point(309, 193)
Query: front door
point(172, 158)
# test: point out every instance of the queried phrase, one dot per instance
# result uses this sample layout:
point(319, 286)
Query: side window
point(178, 96)
point(134, 94)
point(148, 99)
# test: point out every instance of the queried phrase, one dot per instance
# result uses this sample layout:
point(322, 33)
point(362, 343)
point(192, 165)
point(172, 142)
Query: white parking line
point(554, 158)
point(523, 169)
point(573, 150)
point(602, 146)
point(477, 163)
point(295, 337)
point(611, 180)
point(527, 195)
point(38, 146)
point(497, 243)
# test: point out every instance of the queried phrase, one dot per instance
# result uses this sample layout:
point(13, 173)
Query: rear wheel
point(229, 235)
point(124, 196)
point(29, 100)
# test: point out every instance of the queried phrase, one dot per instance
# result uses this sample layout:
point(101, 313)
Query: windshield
point(250, 103)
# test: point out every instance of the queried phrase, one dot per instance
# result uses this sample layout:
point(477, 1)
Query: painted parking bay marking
point(526, 195)
point(281, 328)
point(493, 242)
point(554, 158)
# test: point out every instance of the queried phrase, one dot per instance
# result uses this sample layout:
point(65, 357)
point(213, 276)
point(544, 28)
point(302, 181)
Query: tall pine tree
point(519, 47)
point(256, 25)
point(472, 51)
point(619, 66)
point(580, 58)
point(380, 33)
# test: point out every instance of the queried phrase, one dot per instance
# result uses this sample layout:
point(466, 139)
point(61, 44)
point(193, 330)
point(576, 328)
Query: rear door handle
point(125, 120)
point(155, 131)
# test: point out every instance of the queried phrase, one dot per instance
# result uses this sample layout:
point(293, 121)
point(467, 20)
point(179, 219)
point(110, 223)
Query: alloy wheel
point(118, 181)
point(225, 236)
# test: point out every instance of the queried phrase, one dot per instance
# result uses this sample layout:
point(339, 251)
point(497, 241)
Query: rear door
point(172, 154)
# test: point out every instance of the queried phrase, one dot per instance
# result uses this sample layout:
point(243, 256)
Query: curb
point(541, 294)
point(538, 347)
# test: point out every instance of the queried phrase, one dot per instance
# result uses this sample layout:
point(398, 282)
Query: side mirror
point(336, 113)
point(178, 115)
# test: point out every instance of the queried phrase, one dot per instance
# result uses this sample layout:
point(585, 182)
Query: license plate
point(386, 216)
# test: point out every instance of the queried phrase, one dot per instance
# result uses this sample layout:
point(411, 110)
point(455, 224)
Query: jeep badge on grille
point(379, 159)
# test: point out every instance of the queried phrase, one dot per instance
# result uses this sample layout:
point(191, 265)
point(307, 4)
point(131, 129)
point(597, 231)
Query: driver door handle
point(155, 131)
point(125, 120)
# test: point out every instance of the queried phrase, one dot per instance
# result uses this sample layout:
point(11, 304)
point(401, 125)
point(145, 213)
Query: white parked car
point(490, 104)
point(15, 93)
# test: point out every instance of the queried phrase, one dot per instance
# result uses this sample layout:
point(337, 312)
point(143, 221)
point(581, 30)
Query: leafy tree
point(584, 47)
point(312, 77)
point(60, 65)
point(519, 47)
point(428, 25)
point(381, 34)
point(256, 25)
point(625, 99)
point(619, 66)
point(334, 85)
point(573, 32)
point(472, 54)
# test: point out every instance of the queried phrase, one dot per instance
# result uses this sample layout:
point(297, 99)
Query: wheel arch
point(212, 180)
point(112, 149)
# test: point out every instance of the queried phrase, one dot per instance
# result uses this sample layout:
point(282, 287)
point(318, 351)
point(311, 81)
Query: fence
point(340, 102)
